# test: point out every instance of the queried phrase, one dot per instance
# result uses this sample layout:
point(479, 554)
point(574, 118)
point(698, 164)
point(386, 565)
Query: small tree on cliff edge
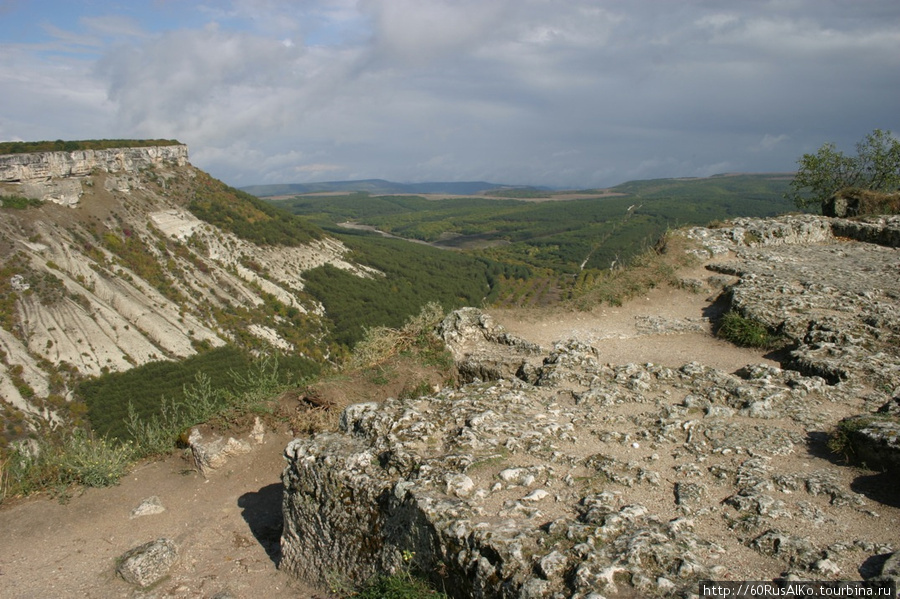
point(876, 166)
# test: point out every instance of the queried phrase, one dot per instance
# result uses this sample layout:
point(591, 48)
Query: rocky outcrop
point(605, 479)
point(873, 440)
point(59, 177)
point(850, 202)
point(473, 337)
point(556, 474)
point(836, 300)
point(38, 166)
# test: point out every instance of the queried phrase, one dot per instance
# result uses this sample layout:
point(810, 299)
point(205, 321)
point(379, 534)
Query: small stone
point(827, 568)
point(148, 563)
point(460, 485)
point(553, 565)
point(689, 493)
point(536, 495)
point(258, 432)
point(148, 507)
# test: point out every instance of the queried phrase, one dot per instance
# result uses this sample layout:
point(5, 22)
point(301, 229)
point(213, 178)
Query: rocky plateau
point(555, 473)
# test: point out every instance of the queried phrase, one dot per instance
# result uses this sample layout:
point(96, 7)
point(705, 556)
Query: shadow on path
point(262, 512)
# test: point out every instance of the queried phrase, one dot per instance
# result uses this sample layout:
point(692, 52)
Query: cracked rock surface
point(563, 474)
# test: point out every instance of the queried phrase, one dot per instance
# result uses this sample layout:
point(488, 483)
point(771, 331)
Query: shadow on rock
point(817, 446)
point(881, 487)
point(872, 566)
point(878, 486)
point(262, 512)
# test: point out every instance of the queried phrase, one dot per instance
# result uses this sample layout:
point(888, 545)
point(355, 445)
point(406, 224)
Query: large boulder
point(872, 440)
point(850, 202)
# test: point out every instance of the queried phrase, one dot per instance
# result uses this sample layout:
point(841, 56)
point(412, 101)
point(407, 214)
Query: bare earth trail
point(226, 526)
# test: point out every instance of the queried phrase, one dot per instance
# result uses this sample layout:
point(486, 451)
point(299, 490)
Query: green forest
point(558, 236)
point(247, 216)
point(413, 275)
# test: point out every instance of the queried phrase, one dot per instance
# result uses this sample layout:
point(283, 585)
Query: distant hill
point(378, 187)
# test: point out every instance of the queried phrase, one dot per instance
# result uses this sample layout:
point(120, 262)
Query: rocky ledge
point(561, 475)
point(57, 176)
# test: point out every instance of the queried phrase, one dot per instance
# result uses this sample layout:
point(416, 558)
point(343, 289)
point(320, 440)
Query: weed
point(55, 463)
point(397, 586)
point(94, 461)
point(402, 585)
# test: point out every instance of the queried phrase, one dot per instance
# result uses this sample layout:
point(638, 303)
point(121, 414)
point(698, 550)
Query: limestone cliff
point(58, 176)
point(109, 269)
point(23, 168)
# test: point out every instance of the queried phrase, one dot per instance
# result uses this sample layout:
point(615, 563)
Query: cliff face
point(59, 177)
point(38, 166)
point(112, 270)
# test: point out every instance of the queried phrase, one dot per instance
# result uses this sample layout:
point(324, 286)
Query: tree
point(876, 167)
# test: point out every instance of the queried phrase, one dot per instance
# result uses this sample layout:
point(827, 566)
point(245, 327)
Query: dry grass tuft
point(655, 267)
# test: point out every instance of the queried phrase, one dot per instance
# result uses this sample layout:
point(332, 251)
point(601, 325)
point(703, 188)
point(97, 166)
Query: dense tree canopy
point(876, 167)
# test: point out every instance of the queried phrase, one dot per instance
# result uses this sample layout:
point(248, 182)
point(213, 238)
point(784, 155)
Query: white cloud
point(523, 91)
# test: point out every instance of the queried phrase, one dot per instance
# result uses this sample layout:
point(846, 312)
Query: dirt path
point(665, 326)
point(227, 526)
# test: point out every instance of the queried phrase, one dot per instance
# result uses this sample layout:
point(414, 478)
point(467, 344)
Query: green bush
point(57, 462)
point(746, 332)
point(19, 202)
point(94, 461)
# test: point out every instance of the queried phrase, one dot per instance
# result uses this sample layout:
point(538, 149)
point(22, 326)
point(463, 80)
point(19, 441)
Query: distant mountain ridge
point(380, 187)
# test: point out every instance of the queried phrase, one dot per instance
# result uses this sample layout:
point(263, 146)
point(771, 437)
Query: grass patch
point(398, 586)
point(57, 460)
point(416, 336)
point(404, 363)
point(19, 202)
point(747, 332)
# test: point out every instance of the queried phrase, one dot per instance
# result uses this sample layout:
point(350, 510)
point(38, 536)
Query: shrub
point(93, 461)
point(18, 202)
point(381, 343)
point(55, 463)
point(746, 332)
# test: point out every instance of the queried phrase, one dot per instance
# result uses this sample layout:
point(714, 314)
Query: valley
point(142, 301)
point(116, 258)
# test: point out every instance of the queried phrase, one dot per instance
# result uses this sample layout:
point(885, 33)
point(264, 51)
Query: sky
point(561, 93)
